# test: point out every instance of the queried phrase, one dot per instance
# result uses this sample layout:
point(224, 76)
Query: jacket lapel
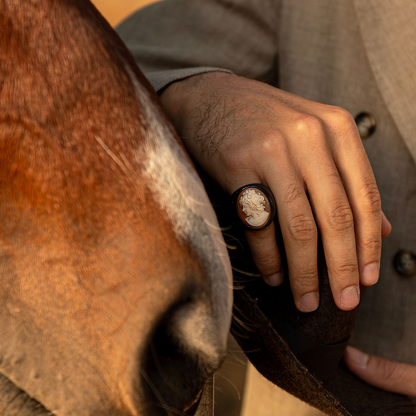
point(390, 42)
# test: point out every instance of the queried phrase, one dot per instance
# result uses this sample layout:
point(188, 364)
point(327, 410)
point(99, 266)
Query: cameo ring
point(255, 206)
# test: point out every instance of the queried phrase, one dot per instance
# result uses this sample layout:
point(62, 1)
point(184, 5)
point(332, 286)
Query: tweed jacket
point(356, 54)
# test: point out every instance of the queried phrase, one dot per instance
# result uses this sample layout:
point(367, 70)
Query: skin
point(311, 156)
point(380, 372)
point(385, 374)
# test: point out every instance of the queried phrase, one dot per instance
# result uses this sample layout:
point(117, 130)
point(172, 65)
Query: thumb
point(384, 374)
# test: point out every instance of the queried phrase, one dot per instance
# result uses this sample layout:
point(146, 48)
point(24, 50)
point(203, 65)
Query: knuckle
point(370, 199)
point(345, 269)
point(292, 192)
point(371, 245)
point(309, 125)
point(388, 370)
point(340, 216)
point(302, 228)
point(267, 263)
point(341, 121)
point(307, 278)
point(271, 142)
point(340, 117)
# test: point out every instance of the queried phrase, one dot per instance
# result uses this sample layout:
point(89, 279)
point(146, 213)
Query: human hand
point(310, 155)
point(384, 374)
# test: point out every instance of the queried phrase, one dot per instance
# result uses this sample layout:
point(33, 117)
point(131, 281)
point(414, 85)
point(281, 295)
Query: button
point(366, 124)
point(405, 263)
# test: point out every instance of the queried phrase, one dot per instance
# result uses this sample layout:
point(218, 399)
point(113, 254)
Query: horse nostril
point(174, 370)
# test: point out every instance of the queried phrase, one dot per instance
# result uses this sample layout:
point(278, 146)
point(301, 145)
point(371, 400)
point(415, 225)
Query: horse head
point(115, 285)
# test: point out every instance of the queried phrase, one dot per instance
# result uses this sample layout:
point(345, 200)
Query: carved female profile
point(253, 204)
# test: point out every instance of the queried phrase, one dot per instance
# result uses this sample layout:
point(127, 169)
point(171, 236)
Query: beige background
point(116, 10)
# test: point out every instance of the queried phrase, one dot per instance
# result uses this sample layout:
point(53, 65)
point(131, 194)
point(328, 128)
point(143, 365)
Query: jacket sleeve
point(174, 39)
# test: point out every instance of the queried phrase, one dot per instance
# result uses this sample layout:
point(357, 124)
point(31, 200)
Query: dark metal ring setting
point(255, 206)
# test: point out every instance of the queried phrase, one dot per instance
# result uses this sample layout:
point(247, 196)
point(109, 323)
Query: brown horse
point(115, 286)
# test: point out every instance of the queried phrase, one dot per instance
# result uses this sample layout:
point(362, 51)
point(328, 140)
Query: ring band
point(255, 206)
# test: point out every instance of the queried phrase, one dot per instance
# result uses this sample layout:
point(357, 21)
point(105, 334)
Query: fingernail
point(309, 302)
point(371, 274)
point(275, 279)
point(358, 358)
point(350, 297)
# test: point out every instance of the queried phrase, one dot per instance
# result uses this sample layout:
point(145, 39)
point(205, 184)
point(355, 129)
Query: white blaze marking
point(180, 192)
